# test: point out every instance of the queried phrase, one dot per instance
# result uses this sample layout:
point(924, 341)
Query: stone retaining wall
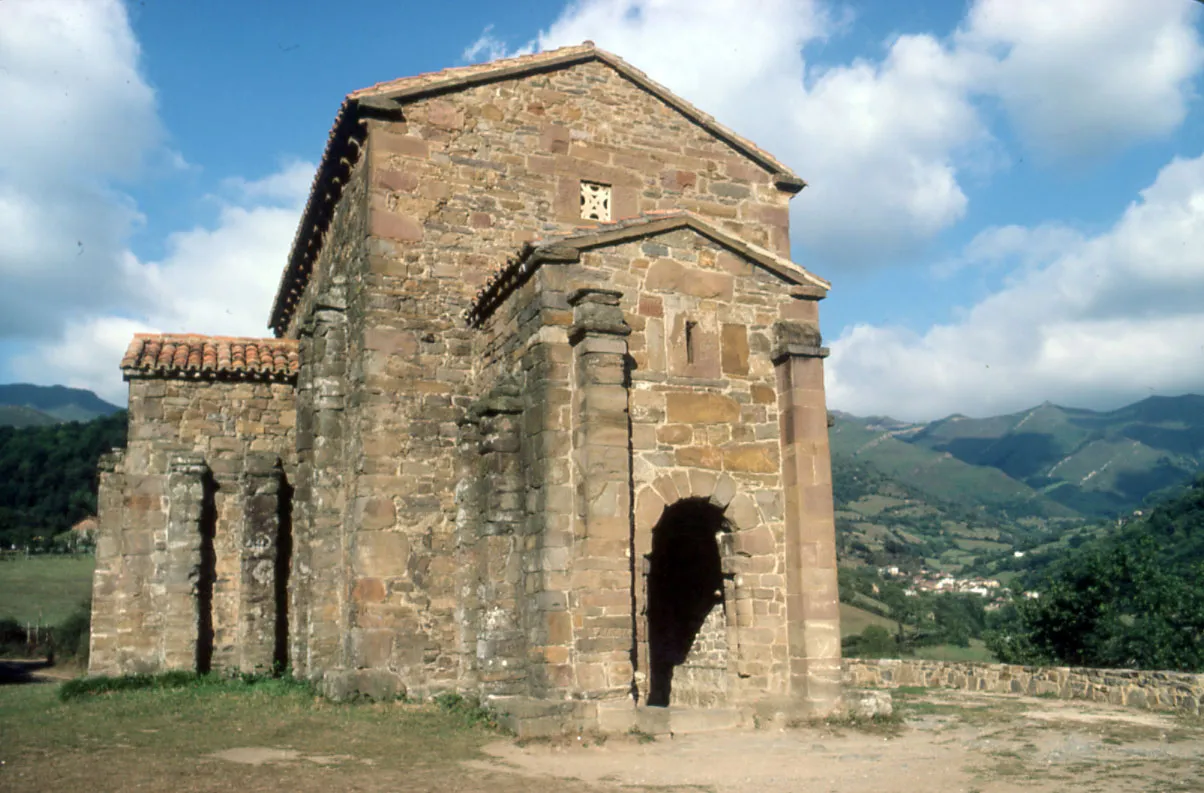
point(1179, 691)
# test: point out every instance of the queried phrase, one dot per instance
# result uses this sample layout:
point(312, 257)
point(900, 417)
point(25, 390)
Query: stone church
point(542, 419)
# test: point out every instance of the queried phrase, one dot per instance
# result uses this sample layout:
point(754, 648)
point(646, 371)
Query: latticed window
point(595, 201)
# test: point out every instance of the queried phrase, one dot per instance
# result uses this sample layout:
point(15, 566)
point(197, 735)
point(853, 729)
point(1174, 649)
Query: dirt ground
point(949, 741)
point(945, 742)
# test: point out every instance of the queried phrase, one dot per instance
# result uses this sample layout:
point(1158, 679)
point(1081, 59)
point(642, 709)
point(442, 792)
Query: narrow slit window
point(691, 326)
point(595, 201)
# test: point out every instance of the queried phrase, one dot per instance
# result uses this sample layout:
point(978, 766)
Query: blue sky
point(1008, 195)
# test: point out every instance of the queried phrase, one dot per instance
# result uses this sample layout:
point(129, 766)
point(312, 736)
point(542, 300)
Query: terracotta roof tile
point(187, 355)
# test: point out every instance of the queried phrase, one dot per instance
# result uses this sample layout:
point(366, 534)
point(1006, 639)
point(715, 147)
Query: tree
point(1115, 608)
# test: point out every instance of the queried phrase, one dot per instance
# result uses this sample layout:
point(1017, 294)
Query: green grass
point(163, 737)
point(44, 589)
point(854, 620)
point(977, 651)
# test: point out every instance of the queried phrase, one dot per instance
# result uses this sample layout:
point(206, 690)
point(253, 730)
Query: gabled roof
point(569, 248)
point(408, 89)
point(189, 356)
point(385, 99)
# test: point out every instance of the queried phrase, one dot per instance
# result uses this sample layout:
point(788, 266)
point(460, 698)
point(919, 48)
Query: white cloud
point(77, 116)
point(879, 143)
point(1083, 77)
point(998, 246)
point(218, 280)
point(1110, 319)
point(488, 47)
point(80, 119)
point(886, 142)
point(875, 140)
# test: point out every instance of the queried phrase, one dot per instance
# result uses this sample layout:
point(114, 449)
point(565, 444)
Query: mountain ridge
point(28, 405)
point(1093, 463)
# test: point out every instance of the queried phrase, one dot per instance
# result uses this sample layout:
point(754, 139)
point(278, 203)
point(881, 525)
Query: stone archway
point(743, 530)
point(685, 583)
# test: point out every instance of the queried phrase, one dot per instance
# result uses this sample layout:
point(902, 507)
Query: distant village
point(928, 581)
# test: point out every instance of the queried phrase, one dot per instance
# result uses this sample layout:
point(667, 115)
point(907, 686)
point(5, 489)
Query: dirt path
point(228, 739)
point(950, 742)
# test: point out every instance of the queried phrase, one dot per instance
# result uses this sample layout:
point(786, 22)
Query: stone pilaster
point(501, 645)
point(181, 610)
point(260, 484)
point(318, 598)
point(103, 647)
point(812, 606)
point(601, 572)
point(469, 497)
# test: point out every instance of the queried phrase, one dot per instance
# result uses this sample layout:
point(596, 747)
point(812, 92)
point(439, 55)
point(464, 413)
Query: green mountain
point(963, 493)
point(22, 416)
point(1095, 463)
point(25, 405)
point(888, 446)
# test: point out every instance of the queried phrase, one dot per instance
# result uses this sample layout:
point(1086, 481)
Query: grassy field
point(44, 589)
point(854, 620)
point(977, 651)
point(275, 739)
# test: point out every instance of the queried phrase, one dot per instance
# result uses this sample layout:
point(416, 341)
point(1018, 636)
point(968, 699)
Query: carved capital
point(796, 340)
point(596, 312)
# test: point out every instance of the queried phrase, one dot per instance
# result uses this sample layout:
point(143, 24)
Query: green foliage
point(1115, 608)
point(87, 687)
point(66, 641)
point(469, 709)
point(48, 477)
point(1134, 598)
point(873, 642)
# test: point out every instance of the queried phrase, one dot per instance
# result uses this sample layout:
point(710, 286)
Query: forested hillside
point(48, 476)
point(1133, 597)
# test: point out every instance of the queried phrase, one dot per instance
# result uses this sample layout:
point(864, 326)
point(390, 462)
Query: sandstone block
point(759, 458)
point(699, 457)
point(664, 275)
point(394, 226)
point(734, 344)
point(701, 408)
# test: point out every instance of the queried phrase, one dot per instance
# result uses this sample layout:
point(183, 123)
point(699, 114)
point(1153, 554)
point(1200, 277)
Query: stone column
point(601, 577)
point(812, 605)
point(257, 565)
point(182, 614)
point(102, 651)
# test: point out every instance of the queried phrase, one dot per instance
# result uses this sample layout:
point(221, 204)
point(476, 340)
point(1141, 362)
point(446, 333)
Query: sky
point(1007, 195)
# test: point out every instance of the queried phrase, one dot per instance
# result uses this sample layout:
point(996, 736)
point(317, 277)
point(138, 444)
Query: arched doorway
point(685, 582)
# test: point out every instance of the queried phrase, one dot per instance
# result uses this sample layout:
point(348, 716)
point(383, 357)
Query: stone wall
point(627, 378)
point(1179, 691)
point(180, 579)
point(452, 190)
point(328, 444)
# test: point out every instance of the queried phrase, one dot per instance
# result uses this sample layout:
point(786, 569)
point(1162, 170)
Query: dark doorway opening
point(284, 563)
point(206, 575)
point(685, 581)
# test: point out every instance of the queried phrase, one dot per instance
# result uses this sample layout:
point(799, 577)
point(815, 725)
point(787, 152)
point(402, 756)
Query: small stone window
point(691, 338)
point(595, 201)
